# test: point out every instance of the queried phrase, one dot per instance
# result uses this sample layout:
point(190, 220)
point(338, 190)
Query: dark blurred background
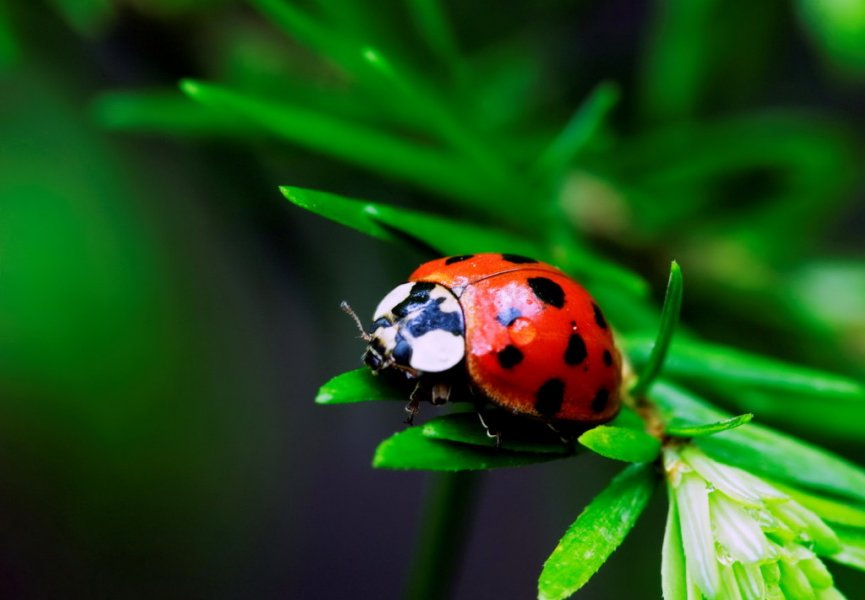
point(166, 317)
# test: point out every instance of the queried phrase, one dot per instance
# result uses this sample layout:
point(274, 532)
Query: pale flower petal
point(697, 538)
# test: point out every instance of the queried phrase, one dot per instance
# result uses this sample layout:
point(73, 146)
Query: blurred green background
point(166, 317)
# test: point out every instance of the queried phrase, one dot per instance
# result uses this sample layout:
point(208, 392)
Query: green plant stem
point(447, 511)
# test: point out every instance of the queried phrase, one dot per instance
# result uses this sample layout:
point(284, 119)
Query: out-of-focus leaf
point(674, 581)
point(621, 443)
point(669, 319)
point(678, 428)
point(597, 532)
point(676, 60)
point(852, 548)
point(411, 449)
point(9, 45)
point(166, 112)
point(445, 236)
point(359, 385)
point(700, 361)
point(762, 450)
point(442, 235)
point(837, 28)
point(832, 418)
point(673, 173)
point(521, 436)
point(579, 132)
point(844, 513)
point(432, 23)
point(371, 148)
point(88, 17)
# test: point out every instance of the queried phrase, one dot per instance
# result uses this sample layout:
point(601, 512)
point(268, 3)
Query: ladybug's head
point(417, 328)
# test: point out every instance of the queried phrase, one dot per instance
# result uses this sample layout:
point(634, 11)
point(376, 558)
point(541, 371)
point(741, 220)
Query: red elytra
point(536, 342)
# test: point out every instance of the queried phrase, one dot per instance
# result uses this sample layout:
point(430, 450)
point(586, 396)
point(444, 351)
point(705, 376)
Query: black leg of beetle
point(413, 404)
point(491, 430)
point(440, 394)
point(566, 437)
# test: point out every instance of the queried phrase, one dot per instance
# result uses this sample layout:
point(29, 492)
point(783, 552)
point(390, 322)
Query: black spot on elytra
point(455, 259)
point(599, 402)
point(599, 316)
point(547, 291)
point(576, 351)
point(608, 358)
point(549, 397)
point(517, 259)
point(510, 357)
point(508, 316)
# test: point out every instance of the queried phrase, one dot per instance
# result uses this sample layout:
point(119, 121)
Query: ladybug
point(518, 332)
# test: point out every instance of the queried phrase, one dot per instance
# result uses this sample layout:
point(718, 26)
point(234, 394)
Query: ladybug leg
point(413, 404)
point(440, 393)
point(565, 437)
point(486, 423)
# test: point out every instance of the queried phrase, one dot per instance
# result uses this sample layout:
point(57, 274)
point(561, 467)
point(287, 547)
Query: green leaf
point(839, 418)
point(359, 385)
point(444, 236)
point(834, 511)
point(580, 131)
point(411, 449)
point(597, 532)
point(764, 451)
point(669, 319)
point(432, 23)
point(627, 417)
point(621, 443)
point(522, 435)
point(10, 48)
point(365, 146)
point(852, 548)
point(702, 362)
point(674, 582)
point(678, 428)
point(164, 111)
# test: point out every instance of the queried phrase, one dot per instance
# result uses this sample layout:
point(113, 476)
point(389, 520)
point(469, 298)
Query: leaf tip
point(190, 87)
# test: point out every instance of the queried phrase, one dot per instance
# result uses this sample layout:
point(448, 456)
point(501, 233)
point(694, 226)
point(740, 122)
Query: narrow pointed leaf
point(597, 532)
point(678, 428)
point(519, 435)
point(669, 319)
point(852, 548)
point(765, 451)
point(444, 236)
point(359, 385)
point(165, 111)
point(411, 449)
point(703, 362)
point(353, 142)
point(833, 511)
point(580, 130)
point(674, 581)
point(432, 23)
point(621, 443)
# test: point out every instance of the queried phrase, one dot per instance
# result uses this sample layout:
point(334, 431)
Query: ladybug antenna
point(347, 310)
